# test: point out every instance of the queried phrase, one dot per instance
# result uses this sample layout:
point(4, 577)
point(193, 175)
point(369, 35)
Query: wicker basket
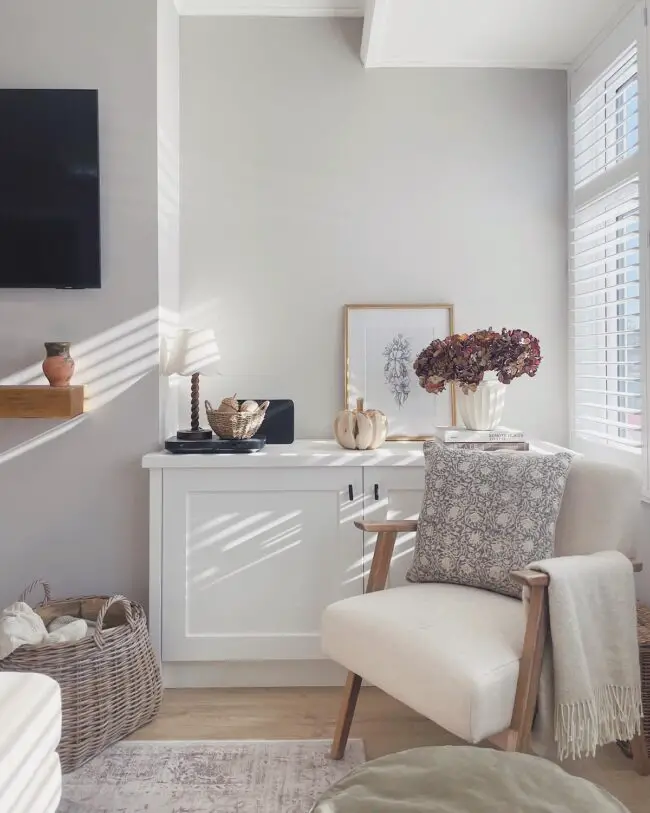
point(643, 630)
point(110, 680)
point(239, 425)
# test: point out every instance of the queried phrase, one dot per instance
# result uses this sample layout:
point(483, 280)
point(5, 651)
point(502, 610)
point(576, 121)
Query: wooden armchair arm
point(386, 536)
point(530, 578)
point(397, 525)
point(533, 578)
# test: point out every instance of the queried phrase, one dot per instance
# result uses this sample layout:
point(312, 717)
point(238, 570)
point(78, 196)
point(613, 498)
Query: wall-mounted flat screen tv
point(49, 189)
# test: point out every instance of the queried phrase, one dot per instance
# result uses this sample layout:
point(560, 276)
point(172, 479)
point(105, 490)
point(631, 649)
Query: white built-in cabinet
point(247, 550)
point(250, 558)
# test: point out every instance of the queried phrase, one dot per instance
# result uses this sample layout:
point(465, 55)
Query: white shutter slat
point(629, 225)
point(589, 393)
point(623, 254)
point(605, 305)
point(602, 334)
point(601, 125)
point(616, 210)
point(604, 408)
point(605, 438)
point(588, 343)
point(620, 157)
point(605, 277)
point(589, 156)
point(622, 379)
point(608, 363)
point(609, 295)
point(605, 320)
point(617, 355)
point(593, 99)
point(605, 389)
point(605, 422)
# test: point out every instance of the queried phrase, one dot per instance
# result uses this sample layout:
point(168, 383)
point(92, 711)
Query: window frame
point(631, 28)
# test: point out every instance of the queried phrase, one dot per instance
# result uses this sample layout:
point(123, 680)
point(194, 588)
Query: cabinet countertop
point(307, 453)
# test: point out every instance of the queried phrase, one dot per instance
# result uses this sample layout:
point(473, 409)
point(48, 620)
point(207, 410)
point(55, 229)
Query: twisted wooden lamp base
point(194, 432)
point(194, 410)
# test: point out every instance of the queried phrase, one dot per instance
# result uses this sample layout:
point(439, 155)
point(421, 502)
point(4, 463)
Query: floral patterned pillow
point(485, 514)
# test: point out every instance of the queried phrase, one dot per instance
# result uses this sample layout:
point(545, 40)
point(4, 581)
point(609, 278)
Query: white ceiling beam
point(481, 33)
point(271, 8)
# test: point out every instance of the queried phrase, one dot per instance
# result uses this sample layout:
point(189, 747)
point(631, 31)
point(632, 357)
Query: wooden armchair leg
point(346, 713)
point(640, 757)
point(530, 669)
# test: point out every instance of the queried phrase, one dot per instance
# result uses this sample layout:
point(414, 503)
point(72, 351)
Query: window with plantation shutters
point(607, 256)
point(606, 318)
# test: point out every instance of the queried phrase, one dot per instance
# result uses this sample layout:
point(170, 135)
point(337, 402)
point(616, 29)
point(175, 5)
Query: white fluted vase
point(482, 409)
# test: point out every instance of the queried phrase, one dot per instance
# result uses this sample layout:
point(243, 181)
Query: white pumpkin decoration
point(360, 428)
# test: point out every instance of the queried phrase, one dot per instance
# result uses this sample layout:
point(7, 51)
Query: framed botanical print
point(381, 345)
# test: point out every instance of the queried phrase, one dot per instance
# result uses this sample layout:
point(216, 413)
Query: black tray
point(215, 445)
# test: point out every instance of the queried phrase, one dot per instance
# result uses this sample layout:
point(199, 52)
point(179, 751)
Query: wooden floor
point(384, 725)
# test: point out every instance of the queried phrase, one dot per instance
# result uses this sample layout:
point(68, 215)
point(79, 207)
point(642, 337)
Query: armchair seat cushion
point(448, 651)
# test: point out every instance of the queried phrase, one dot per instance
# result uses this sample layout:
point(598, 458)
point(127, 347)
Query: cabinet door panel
point(392, 493)
point(251, 559)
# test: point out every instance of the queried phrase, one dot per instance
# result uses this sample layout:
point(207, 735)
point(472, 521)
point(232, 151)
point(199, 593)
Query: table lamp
point(193, 352)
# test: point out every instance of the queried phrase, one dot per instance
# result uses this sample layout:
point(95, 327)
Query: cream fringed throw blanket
point(590, 691)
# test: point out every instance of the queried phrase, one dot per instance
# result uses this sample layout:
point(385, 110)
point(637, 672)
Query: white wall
point(308, 183)
point(74, 508)
point(168, 194)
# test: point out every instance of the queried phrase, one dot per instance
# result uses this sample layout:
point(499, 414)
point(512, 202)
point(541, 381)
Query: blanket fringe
point(614, 713)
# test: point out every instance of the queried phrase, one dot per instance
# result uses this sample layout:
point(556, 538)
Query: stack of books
point(491, 440)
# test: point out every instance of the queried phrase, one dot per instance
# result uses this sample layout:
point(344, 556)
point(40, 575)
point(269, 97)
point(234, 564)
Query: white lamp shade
point(193, 351)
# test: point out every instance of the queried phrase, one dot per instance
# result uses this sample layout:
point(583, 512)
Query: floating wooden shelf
point(41, 402)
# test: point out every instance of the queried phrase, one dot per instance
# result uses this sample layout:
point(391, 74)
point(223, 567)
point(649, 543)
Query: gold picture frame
point(405, 403)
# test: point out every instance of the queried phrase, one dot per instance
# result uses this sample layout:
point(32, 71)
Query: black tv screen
point(49, 189)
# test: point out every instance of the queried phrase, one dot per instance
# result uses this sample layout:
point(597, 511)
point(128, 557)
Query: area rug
point(207, 777)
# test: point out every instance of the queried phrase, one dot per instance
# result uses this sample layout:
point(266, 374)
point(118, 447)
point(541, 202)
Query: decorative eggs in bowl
point(234, 420)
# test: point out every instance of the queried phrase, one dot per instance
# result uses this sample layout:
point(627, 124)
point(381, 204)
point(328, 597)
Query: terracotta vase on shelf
point(58, 365)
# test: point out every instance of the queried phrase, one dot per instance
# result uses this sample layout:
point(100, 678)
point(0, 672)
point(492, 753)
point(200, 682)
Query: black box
point(277, 426)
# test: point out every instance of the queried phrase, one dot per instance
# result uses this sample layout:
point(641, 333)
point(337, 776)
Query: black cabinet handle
point(350, 492)
point(377, 491)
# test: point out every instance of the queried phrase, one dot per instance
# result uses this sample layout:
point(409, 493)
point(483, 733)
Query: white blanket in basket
point(20, 625)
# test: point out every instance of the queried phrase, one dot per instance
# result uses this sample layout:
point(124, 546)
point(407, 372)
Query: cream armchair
point(469, 659)
point(30, 729)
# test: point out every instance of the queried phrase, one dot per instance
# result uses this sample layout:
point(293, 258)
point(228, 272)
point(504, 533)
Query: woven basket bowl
point(110, 680)
point(237, 425)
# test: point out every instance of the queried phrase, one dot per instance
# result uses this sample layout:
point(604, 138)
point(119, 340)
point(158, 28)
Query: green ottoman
point(459, 779)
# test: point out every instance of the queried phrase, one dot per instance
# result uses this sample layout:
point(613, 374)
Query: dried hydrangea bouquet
point(481, 364)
